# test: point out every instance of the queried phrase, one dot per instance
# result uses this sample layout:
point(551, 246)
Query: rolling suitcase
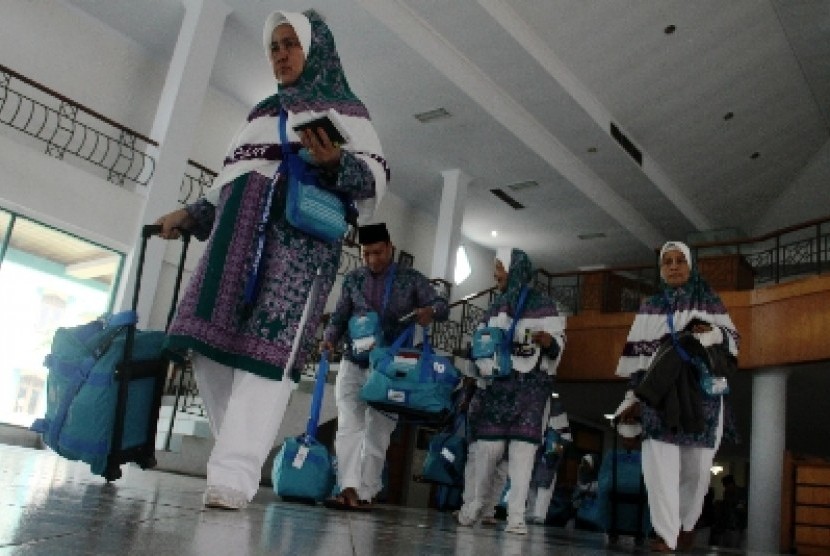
point(623, 485)
point(105, 384)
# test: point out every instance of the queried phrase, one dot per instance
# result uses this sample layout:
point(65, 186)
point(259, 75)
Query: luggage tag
point(299, 459)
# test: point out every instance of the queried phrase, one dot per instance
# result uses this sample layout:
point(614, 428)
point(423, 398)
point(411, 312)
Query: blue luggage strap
point(77, 374)
point(520, 307)
point(317, 397)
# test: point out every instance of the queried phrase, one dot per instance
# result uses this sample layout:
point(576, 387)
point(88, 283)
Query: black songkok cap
point(372, 233)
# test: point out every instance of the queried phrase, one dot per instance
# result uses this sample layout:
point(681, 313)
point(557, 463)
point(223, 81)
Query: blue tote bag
point(408, 381)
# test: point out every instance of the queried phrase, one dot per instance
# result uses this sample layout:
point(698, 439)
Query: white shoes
point(517, 528)
point(468, 516)
point(225, 498)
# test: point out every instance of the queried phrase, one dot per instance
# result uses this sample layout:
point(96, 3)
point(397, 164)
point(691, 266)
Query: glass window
point(48, 279)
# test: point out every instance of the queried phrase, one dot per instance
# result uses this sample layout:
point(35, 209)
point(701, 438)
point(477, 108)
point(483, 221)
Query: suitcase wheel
point(112, 473)
point(148, 462)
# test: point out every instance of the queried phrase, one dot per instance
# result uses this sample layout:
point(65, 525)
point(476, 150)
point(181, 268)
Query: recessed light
point(432, 115)
point(592, 150)
point(518, 186)
point(670, 29)
point(755, 155)
point(494, 233)
point(728, 116)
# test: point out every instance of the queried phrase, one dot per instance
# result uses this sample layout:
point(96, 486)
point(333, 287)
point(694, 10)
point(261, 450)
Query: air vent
point(507, 198)
point(594, 235)
point(432, 115)
point(626, 144)
point(523, 185)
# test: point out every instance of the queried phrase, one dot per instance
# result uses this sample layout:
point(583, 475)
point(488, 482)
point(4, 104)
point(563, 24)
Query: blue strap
point(684, 355)
point(517, 313)
point(317, 397)
point(122, 318)
point(387, 291)
point(252, 283)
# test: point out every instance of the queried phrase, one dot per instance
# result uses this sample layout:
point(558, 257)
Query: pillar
point(174, 127)
point(448, 229)
point(766, 457)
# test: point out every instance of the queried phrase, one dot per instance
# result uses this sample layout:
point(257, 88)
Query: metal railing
point(67, 127)
point(795, 251)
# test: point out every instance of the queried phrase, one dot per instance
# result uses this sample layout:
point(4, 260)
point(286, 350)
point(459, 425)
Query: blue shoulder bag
point(711, 384)
point(366, 327)
point(491, 341)
point(309, 207)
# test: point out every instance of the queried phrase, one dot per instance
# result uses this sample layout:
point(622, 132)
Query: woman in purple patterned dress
point(677, 452)
point(247, 349)
point(509, 413)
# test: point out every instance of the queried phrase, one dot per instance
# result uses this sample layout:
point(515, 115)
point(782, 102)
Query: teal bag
point(408, 381)
point(363, 327)
point(446, 457)
point(309, 208)
point(492, 341)
point(303, 468)
point(82, 390)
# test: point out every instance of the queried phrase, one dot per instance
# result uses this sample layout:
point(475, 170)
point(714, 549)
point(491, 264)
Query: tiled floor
point(52, 506)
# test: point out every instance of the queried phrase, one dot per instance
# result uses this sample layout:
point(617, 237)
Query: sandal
point(347, 501)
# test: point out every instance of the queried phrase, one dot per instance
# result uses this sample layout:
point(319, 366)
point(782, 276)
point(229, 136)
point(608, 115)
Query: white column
point(448, 230)
point(766, 459)
point(175, 125)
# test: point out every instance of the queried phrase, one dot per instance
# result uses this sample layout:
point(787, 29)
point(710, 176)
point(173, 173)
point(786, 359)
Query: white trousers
point(362, 434)
point(492, 490)
point(245, 412)
point(677, 478)
point(538, 500)
point(488, 454)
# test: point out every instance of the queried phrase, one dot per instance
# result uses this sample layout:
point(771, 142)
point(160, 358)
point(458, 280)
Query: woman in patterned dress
point(248, 348)
point(509, 413)
point(676, 462)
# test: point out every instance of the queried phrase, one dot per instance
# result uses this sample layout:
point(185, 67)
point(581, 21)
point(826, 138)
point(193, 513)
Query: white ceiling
point(532, 85)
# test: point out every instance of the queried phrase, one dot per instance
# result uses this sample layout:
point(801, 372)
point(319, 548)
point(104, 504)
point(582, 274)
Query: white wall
point(808, 196)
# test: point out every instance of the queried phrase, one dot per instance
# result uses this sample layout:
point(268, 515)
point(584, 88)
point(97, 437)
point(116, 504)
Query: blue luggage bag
point(104, 387)
point(303, 469)
point(410, 382)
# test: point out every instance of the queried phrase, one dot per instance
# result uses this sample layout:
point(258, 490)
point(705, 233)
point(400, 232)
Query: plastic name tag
point(397, 396)
point(449, 456)
point(407, 358)
point(299, 459)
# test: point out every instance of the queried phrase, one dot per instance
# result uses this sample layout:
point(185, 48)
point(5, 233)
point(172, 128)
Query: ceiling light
point(755, 155)
point(670, 29)
point(518, 186)
point(592, 150)
point(594, 235)
point(432, 115)
point(716, 469)
point(728, 116)
point(494, 233)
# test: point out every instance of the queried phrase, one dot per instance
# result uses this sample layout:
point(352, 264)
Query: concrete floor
point(52, 506)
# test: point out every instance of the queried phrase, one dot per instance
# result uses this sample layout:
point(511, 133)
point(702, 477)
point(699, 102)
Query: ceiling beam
point(470, 79)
